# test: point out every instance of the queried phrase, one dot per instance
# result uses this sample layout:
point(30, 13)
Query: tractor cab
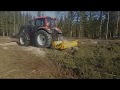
point(44, 21)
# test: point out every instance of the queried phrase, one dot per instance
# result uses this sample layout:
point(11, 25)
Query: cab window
point(40, 22)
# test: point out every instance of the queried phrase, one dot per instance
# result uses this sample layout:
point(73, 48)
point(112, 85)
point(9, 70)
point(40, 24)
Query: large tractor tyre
point(23, 40)
point(43, 39)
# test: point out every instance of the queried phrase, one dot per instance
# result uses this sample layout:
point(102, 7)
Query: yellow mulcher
point(61, 45)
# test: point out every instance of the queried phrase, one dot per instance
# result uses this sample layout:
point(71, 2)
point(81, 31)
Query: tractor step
point(61, 45)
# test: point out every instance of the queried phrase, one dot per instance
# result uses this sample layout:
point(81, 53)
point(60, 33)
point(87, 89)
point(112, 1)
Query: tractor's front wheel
point(43, 39)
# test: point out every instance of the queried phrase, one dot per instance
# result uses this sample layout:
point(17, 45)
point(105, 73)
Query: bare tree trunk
point(16, 28)
point(107, 26)
point(110, 34)
point(6, 24)
point(77, 25)
point(7, 33)
point(79, 31)
point(117, 24)
point(100, 24)
point(24, 19)
point(3, 33)
point(6, 28)
point(90, 20)
point(71, 30)
point(14, 22)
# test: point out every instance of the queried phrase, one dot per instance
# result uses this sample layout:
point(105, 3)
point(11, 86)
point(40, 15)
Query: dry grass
point(4, 39)
point(94, 59)
point(18, 62)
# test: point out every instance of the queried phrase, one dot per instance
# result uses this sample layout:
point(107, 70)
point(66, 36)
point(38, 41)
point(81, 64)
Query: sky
point(46, 13)
point(50, 13)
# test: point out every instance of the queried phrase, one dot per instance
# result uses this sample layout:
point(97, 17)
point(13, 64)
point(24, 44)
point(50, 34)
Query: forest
point(87, 24)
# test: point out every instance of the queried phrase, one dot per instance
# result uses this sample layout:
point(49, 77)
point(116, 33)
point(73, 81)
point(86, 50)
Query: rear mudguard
point(49, 30)
point(45, 29)
point(25, 30)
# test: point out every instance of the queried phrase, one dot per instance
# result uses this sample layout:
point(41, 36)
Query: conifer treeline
point(89, 24)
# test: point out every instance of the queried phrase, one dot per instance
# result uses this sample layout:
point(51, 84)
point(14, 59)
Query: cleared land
point(97, 59)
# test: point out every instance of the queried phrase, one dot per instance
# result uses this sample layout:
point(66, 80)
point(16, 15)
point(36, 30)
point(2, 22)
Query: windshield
point(52, 22)
point(40, 22)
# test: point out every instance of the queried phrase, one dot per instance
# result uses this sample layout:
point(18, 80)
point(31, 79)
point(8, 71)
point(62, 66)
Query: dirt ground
point(94, 59)
point(19, 62)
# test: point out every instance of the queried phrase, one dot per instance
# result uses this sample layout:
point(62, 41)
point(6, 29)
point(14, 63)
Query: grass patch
point(91, 61)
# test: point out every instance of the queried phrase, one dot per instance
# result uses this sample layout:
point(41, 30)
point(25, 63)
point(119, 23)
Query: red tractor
point(42, 31)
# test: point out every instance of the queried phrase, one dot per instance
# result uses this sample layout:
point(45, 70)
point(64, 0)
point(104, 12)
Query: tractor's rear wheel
point(23, 41)
point(43, 39)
